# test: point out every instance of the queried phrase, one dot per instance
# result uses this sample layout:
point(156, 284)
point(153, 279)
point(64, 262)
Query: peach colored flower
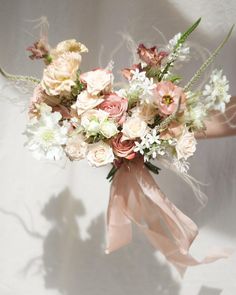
point(100, 154)
point(76, 147)
point(186, 145)
point(174, 130)
point(115, 106)
point(68, 46)
point(123, 148)
point(86, 101)
point(60, 75)
point(168, 96)
point(97, 81)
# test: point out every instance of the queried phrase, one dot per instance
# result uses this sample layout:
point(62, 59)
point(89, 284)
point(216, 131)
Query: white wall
point(52, 215)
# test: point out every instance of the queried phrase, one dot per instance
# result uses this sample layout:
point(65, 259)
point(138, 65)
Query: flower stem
point(19, 77)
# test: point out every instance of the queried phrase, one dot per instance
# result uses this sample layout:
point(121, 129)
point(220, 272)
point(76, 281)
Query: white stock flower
point(183, 52)
point(85, 102)
point(45, 136)
point(133, 127)
point(216, 92)
point(186, 145)
point(76, 147)
point(100, 154)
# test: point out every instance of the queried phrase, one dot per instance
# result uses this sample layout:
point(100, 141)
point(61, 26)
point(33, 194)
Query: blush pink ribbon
point(135, 197)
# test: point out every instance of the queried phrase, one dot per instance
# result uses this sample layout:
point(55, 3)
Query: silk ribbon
point(135, 197)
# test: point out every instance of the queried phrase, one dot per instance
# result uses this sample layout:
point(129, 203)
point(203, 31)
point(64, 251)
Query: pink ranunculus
point(168, 97)
point(123, 148)
point(116, 106)
point(97, 81)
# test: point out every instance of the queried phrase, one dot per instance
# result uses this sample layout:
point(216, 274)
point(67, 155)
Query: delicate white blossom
point(216, 92)
point(45, 136)
point(181, 54)
point(140, 87)
point(152, 145)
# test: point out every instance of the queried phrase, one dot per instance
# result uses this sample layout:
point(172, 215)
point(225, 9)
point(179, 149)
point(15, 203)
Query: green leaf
point(112, 173)
point(210, 59)
point(152, 167)
point(181, 41)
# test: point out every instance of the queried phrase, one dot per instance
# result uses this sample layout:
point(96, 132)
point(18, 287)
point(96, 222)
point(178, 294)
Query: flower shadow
point(76, 266)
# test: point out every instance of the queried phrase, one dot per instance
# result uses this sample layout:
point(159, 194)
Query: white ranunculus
point(133, 127)
point(108, 129)
point(91, 121)
point(100, 154)
point(46, 137)
point(61, 74)
point(76, 147)
point(186, 145)
point(85, 102)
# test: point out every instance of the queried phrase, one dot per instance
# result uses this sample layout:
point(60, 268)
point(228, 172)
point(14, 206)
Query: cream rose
point(133, 127)
point(76, 147)
point(86, 101)
point(108, 129)
point(186, 145)
point(97, 81)
point(68, 46)
point(61, 74)
point(100, 154)
point(91, 121)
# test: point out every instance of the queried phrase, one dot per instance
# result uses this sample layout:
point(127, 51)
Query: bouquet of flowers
point(82, 115)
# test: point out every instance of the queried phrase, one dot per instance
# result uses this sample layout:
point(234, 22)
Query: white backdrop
point(52, 215)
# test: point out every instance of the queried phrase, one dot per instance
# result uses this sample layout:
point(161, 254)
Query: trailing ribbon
point(135, 197)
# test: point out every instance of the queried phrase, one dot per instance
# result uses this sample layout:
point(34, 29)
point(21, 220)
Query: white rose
point(100, 154)
point(91, 121)
point(60, 75)
point(186, 145)
point(85, 102)
point(133, 127)
point(108, 129)
point(97, 81)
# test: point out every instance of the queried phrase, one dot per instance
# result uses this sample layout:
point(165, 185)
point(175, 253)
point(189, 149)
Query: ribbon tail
point(119, 227)
point(136, 197)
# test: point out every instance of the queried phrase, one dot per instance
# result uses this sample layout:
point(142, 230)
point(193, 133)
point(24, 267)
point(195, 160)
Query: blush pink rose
point(168, 96)
point(123, 148)
point(97, 81)
point(115, 106)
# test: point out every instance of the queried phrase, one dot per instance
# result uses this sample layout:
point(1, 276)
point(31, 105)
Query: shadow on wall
point(209, 291)
point(74, 266)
